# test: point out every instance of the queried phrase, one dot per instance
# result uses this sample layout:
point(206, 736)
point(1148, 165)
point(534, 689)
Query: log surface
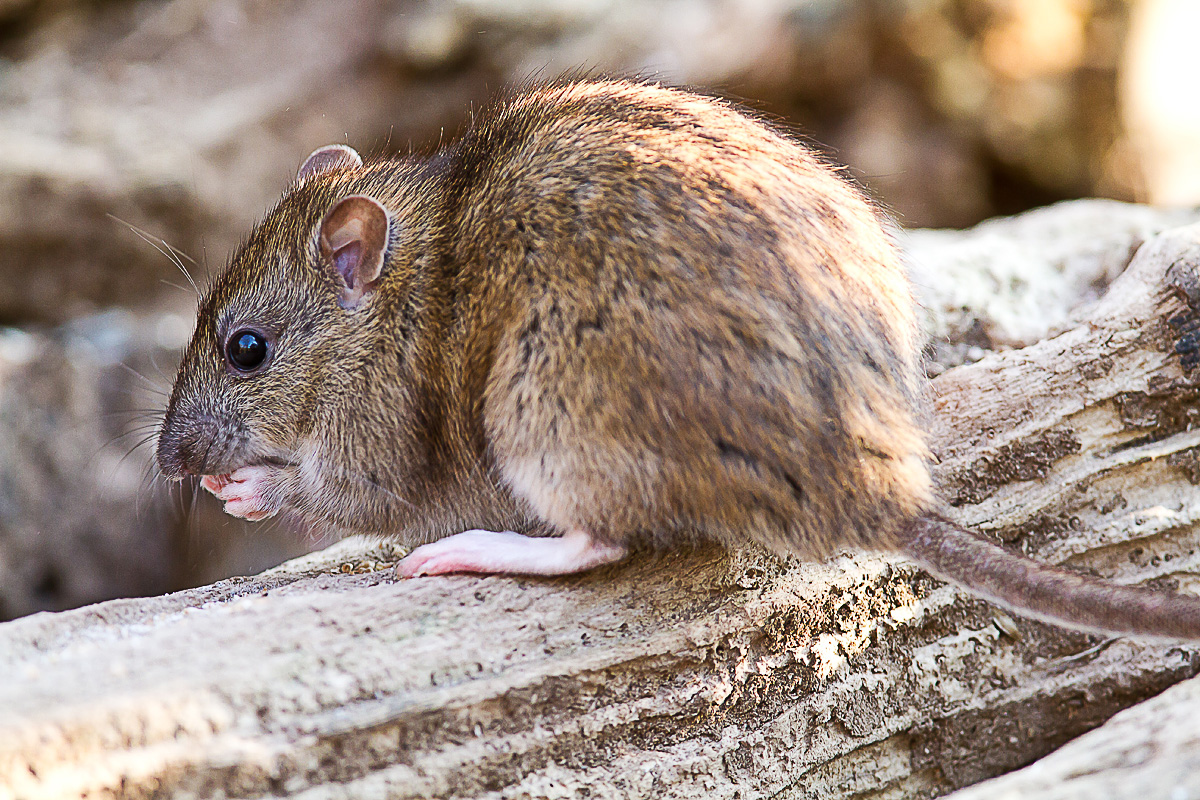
point(1150, 750)
point(698, 674)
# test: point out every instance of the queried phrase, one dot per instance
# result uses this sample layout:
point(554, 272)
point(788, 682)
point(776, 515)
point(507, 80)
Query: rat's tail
point(1044, 592)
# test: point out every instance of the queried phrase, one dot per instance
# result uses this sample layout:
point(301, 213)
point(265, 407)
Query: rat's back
point(699, 329)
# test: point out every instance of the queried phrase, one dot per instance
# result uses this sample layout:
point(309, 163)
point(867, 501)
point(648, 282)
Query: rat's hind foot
point(508, 552)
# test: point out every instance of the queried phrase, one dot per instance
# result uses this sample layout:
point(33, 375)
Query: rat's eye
point(246, 350)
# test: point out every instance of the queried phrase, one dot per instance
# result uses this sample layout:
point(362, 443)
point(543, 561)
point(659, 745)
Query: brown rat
point(611, 313)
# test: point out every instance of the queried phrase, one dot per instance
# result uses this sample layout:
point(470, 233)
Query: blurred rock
point(1033, 82)
point(185, 118)
point(1160, 102)
point(82, 516)
point(950, 111)
point(912, 162)
point(1010, 282)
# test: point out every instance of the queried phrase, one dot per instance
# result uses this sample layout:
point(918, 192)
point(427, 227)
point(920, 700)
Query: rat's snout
point(185, 445)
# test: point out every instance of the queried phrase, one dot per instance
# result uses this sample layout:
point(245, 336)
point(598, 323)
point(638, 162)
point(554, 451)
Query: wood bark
point(691, 674)
point(1150, 750)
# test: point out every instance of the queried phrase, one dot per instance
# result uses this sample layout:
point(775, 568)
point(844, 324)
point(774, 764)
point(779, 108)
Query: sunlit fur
point(609, 306)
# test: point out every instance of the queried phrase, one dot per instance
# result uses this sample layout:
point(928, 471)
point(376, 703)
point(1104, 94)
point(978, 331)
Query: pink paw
point(493, 552)
point(464, 552)
point(244, 491)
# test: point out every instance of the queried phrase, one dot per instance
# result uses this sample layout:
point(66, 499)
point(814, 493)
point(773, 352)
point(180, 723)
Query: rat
point(612, 315)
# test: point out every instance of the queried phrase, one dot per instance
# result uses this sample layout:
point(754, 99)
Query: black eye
point(246, 350)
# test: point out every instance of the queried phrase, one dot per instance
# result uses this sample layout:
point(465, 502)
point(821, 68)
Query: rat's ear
point(333, 156)
point(353, 242)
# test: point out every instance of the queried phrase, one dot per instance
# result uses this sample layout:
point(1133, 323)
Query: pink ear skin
point(334, 156)
point(353, 242)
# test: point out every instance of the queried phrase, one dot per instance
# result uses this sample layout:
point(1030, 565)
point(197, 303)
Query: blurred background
point(140, 139)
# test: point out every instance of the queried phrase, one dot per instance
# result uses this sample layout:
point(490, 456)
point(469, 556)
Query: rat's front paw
point(246, 491)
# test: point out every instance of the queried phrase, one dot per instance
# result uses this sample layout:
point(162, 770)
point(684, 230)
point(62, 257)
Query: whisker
point(149, 484)
point(175, 285)
point(187, 509)
point(168, 380)
point(204, 260)
point(137, 414)
point(171, 253)
point(147, 436)
point(148, 384)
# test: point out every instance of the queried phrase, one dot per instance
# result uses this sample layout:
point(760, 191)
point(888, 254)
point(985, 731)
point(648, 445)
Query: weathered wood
point(699, 674)
point(1150, 750)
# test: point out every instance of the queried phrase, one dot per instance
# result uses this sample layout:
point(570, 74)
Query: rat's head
point(283, 325)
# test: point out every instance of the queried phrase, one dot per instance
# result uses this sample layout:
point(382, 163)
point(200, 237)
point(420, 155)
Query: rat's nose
point(172, 454)
point(184, 445)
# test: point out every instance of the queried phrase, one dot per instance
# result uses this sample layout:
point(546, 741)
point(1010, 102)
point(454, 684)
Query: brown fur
point(610, 306)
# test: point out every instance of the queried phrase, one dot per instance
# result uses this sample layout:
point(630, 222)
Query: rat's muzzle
point(189, 446)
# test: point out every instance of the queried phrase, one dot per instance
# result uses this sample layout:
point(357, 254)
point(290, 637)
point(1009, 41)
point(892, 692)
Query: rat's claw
point(244, 491)
point(215, 483)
